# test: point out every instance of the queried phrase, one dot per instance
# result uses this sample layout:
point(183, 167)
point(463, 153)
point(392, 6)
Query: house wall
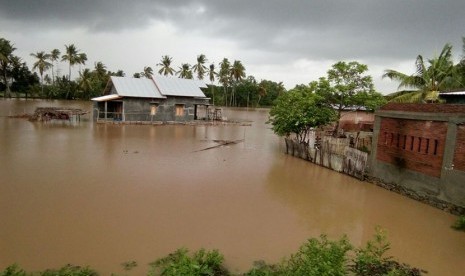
point(422, 147)
point(139, 109)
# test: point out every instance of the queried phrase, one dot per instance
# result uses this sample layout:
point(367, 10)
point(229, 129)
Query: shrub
point(371, 260)
point(459, 224)
point(181, 263)
point(13, 270)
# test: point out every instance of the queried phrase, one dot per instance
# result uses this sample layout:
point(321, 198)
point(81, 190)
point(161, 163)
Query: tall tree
point(211, 76)
point(237, 74)
point(430, 77)
point(53, 57)
point(85, 83)
point(199, 67)
point(72, 57)
point(100, 70)
point(82, 58)
point(165, 66)
point(41, 65)
point(6, 54)
point(224, 77)
point(347, 86)
point(148, 72)
point(184, 71)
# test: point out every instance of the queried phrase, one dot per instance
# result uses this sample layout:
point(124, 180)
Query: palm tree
point(224, 77)
point(185, 71)
point(85, 83)
point(82, 58)
point(430, 78)
point(148, 72)
point(261, 91)
point(211, 75)
point(6, 54)
point(53, 57)
point(72, 57)
point(165, 65)
point(200, 68)
point(41, 64)
point(237, 74)
point(100, 70)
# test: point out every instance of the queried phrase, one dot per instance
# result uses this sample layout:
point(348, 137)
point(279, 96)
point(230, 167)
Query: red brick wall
point(459, 155)
point(412, 144)
point(430, 108)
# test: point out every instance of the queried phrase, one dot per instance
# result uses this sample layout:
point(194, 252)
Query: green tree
point(148, 72)
point(6, 54)
point(297, 112)
point(435, 75)
point(224, 77)
point(165, 66)
point(53, 57)
point(347, 87)
point(41, 64)
point(72, 57)
point(199, 67)
point(85, 83)
point(237, 74)
point(211, 76)
point(184, 71)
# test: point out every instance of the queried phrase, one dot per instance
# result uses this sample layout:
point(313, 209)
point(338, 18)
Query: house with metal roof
point(453, 97)
point(157, 99)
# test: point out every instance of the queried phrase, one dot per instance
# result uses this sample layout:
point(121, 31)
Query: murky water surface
point(102, 195)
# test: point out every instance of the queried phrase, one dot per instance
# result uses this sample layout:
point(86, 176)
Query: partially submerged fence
point(334, 153)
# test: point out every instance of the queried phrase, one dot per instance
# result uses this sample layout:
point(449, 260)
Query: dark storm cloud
point(278, 31)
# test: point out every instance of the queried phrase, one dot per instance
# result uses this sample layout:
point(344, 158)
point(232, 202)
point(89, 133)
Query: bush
point(459, 224)
point(370, 260)
point(180, 263)
point(13, 270)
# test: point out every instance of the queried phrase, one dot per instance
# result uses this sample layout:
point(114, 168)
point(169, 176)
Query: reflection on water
point(105, 194)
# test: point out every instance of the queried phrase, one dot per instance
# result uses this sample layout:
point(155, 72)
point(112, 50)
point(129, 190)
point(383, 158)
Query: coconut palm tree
point(184, 71)
point(224, 77)
point(237, 74)
point(211, 75)
point(261, 91)
point(100, 70)
point(148, 72)
point(72, 57)
point(53, 57)
point(6, 54)
point(199, 67)
point(41, 65)
point(82, 58)
point(85, 83)
point(165, 66)
point(430, 77)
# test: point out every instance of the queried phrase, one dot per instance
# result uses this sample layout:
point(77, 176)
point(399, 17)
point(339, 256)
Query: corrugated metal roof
point(170, 86)
point(136, 87)
point(452, 93)
point(106, 98)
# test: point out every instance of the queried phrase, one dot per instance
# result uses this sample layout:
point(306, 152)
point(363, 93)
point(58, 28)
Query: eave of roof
point(106, 98)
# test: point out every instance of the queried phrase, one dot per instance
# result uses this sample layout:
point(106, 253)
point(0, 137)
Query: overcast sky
point(290, 41)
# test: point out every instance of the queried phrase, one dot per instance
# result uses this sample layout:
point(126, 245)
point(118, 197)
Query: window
point(153, 109)
point(179, 110)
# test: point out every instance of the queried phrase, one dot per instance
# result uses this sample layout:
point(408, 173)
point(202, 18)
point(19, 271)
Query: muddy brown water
point(101, 195)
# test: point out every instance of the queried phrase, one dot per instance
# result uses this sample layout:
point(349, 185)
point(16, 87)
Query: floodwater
point(101, 195)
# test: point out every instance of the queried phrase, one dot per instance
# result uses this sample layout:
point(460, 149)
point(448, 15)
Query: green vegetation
point(459, 224)
point(434, 75)
point(315, 257)
point(236, 88)
point(310, 106)
point(180, 262)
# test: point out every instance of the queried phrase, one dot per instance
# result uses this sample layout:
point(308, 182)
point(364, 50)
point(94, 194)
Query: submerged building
point(150, 99)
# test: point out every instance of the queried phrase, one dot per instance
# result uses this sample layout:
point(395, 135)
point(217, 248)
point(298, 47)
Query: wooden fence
point(334, 153)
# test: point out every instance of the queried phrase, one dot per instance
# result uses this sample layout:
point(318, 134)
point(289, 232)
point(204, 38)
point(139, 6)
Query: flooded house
point(150, 99)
